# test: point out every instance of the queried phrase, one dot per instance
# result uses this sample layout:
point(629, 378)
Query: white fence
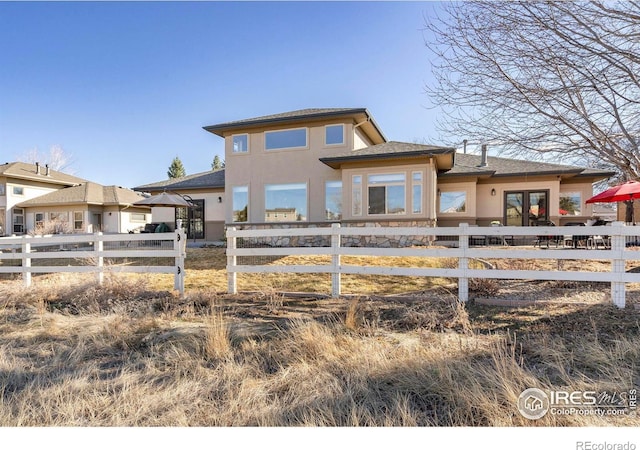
point(95, 253)
point(615, 251)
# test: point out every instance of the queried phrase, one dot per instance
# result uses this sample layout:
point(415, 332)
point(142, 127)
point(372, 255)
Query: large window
point(453, 202)
point(334, 134)
point(570, 204)
point(240, 204)
point(240, 143)
point(285, 202)
point(387, 193)
point(333, 200)
point(294, 138)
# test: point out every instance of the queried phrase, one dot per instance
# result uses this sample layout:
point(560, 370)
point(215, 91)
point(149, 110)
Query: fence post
point(618, 245)
point(26, 261)
point(336, 289)
point(99, 246)
point(463, 263)
point(232, 277)
point(179, 246)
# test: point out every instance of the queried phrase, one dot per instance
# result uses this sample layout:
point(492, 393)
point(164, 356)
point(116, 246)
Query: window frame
point(233, 144)
point(297, 147)
point(417, 183)
point(133, 218)
point(306, 192)
point(16, 188)
point(75, 221)
point(42, 220)
point(233, 209)
point(457, 191)
point(571, 195)
point(356, 195)
point(386, 185)
point(326, 198)
point(335, 144)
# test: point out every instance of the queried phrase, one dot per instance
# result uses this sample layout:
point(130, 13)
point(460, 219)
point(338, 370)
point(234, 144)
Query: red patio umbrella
point(625, 192)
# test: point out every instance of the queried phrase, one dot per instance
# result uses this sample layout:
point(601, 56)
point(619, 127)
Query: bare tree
point(57, 158)
point(558, 78)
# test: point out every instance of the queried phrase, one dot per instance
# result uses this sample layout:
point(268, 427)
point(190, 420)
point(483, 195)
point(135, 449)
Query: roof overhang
point(444, 157)
point(359, 116)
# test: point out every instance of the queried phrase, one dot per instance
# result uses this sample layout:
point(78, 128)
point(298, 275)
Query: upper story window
point(334, 134)
point(240, 143)
point(285, 139)
point(2, 191)
point(18, 190)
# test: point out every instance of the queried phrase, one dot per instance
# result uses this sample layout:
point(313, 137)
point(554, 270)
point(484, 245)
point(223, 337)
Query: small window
point(240, 143)
point(333, 200)
point(138, 217)
point(78, 220)
point(334, 135)
point(453, 202)
point(294, 138)
point(17, 190)
point(240, 203)
point(39, 220)
point(2, 189)
point(570, 204)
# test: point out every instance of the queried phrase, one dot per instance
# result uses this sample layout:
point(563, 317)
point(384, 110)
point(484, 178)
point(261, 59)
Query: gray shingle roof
point(85, 194)
point(293, 116)
point(467, 164)
point(29, 172)
point(388, 150)
point(203, 180)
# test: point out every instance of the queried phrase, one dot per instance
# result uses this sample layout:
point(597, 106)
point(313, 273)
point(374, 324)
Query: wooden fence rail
point(95, 253)
point(616, 252)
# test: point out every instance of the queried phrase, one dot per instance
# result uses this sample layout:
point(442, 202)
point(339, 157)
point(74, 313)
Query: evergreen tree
point(176, 169)
point(217, 163)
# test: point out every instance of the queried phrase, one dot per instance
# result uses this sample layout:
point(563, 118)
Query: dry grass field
point(398, 352)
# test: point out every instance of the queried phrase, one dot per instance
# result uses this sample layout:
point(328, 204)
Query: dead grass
point(132, 353)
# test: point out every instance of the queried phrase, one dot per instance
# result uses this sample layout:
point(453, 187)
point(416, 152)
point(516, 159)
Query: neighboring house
point(85, 208)
point(206, 191)
point(328, 165)
point(20, 182)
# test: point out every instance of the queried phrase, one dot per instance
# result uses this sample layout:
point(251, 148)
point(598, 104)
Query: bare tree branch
point(555, 78)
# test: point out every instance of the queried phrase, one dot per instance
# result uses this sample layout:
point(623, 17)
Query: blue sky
point(124, 87)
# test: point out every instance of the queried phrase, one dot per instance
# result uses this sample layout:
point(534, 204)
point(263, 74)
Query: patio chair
point(574, 241)
point(477, 239)
point(547, 239)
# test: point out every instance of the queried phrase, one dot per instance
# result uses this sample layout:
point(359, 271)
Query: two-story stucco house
point(316, 166)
